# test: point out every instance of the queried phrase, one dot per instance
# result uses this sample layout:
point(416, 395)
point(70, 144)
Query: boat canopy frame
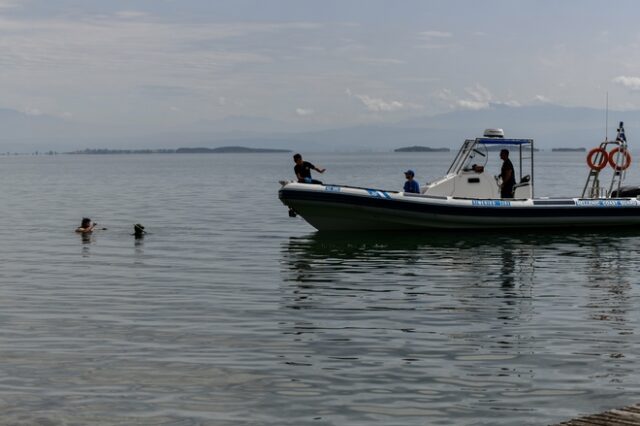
point(470, 148)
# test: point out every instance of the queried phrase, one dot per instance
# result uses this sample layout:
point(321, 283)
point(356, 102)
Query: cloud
point(542, 99)
point(632, 83)
point(5, 4)
point(381, 61)
point(381, 105)
point(164, 91)
point(32, 111)
point(477, 97)
point(303, 112)
point(139, 50)
point(129, 54)
point(508, 103)
point(376, 104)
point(434, 39)
point(434, 34)
point(113, 43)
point(480, 98)
point(131, 14)
point(474, 105)
point(479, 92)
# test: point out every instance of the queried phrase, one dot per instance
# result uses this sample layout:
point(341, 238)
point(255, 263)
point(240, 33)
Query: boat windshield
point(478, 156)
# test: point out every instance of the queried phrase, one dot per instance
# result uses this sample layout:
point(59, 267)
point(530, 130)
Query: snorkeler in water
point(86, 226)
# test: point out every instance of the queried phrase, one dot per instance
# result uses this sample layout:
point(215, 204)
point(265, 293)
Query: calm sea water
point(231, 313)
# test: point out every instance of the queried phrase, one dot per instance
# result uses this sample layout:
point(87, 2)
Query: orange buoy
point(627, 159)
point(604, 158)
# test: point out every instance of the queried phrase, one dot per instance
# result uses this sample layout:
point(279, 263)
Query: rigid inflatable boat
point(468, 197)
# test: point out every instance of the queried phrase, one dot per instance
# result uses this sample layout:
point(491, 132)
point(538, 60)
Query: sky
point(163, 64)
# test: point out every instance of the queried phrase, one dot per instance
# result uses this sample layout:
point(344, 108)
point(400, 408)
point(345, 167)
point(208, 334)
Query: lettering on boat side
point(378, 194)
point(491, 203)
point(332, 188)
point(604, 203)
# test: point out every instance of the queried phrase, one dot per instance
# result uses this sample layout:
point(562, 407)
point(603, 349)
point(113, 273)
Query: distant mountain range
point(549, 125)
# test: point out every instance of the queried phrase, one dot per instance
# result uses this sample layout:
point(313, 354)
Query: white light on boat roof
point(494, 133)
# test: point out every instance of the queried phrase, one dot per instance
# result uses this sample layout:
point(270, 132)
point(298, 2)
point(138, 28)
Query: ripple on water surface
point(229, 312)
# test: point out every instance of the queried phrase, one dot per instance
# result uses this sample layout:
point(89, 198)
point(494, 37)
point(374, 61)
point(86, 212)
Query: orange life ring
point(604, 159)
point(627, 159)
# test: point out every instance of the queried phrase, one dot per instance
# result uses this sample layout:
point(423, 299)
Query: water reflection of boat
point(460, 314)
point(328, 259)
point(469, 197)
point(336, 283)
point(478, 272)
point(405, 245)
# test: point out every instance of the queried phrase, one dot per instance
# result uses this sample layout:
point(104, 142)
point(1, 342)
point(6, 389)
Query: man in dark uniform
point(507, 174)
point(303, 170)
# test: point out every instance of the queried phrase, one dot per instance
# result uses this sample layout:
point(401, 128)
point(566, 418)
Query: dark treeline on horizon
point(123, 151)
point(221, 150)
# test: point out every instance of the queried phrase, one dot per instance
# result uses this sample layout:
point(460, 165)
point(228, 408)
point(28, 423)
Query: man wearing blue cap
point(411, 186)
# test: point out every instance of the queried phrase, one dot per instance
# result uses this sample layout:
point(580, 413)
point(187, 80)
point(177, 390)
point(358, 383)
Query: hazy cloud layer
point(157, 65)
point(632, 83)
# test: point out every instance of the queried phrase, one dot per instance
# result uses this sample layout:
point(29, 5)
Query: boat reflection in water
point(463, 325)
point(406, 268)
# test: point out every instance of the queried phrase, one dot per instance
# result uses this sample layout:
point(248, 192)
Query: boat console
point(467, 176)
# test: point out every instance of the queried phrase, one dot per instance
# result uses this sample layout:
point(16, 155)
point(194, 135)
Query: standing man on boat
point(507, 174)
point(303, 169)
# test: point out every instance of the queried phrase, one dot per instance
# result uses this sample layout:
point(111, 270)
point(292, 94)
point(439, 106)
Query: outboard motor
point(626, 191)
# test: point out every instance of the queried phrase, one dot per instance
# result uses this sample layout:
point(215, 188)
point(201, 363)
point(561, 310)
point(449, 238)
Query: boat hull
point(339, 208)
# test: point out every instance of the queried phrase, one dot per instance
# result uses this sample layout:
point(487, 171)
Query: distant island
point(569, 149)
point(417, 148)
point(101, 151)
point(230, 150)
point(510, 148)
point(221, 150)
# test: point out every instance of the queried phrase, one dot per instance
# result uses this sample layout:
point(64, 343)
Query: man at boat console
point(507, 174)
point(303, 169)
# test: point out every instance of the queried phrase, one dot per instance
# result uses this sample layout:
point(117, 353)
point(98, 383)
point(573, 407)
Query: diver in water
point(138, 231)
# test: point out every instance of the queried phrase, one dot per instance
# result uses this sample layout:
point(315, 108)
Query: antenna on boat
point(606, 119)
